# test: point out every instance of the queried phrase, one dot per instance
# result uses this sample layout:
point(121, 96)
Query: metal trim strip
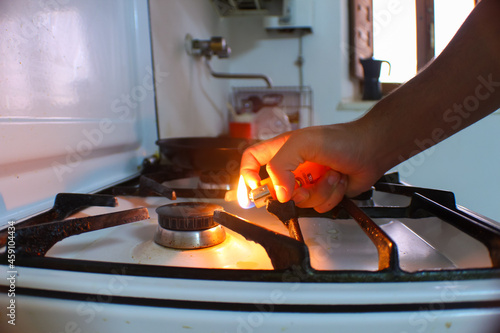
point(251, 307)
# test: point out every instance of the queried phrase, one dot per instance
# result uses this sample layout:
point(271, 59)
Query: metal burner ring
point(190, 240)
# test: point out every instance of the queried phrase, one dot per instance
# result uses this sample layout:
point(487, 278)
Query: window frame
point(361, 37)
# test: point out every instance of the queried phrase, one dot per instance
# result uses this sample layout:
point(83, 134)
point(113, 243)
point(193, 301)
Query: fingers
point(284, 182)
point(281, 155)
point(338, 147)
point(280, 168)
point(325, 194)
point(258, 155)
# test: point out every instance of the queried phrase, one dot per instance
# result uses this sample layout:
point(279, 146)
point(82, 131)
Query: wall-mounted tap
point(217, 46)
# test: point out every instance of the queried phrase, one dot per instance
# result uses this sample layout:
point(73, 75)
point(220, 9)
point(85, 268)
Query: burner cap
point(188, 225)
point(187, 216)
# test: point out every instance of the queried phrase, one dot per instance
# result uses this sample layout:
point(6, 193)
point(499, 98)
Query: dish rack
point(295, 101)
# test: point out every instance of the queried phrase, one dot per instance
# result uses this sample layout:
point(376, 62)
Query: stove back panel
point(76, 99)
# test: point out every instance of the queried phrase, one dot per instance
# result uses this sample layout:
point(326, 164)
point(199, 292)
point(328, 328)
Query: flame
point(242, 194)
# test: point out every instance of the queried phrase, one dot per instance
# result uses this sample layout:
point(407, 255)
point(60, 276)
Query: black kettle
point(372, 87)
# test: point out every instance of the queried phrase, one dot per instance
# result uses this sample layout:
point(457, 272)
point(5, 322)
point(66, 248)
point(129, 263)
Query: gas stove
point(134, 242)
point(398, 258)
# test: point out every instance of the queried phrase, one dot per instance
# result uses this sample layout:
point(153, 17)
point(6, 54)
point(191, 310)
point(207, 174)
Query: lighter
point(306, 174)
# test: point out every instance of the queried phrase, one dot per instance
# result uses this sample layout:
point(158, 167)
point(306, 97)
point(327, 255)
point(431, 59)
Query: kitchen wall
point(325, 55)
point(192, 103)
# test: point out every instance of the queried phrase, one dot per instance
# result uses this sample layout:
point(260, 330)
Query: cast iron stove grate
point(289, 255)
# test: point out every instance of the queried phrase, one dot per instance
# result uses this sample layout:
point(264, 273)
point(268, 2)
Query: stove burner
point(188, 225)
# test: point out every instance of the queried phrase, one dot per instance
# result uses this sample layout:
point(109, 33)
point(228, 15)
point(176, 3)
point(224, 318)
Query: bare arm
point(460, 87)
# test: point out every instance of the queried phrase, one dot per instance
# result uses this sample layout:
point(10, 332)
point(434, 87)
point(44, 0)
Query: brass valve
point(215, 46)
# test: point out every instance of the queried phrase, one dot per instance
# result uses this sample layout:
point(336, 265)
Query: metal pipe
point(238, 75)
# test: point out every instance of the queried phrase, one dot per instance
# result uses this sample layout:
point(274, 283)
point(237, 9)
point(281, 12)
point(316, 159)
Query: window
point(446, 24)
point(395, 38)
point(408, 34)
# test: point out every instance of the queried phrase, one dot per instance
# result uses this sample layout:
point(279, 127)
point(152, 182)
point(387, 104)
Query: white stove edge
point(255, 292)
point(97, 311)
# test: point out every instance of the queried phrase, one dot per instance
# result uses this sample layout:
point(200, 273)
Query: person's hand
point(341, 147)
point(410, 119)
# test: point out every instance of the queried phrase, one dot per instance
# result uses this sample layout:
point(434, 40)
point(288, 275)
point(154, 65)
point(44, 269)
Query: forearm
point(460, 87)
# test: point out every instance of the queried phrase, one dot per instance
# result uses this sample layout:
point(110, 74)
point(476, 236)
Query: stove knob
point(187, 216)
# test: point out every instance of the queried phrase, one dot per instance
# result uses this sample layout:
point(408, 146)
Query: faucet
point(217, 46)
point(207, 48)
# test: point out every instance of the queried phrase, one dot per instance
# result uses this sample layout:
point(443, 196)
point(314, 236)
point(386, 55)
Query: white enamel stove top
point(333, 244)
point(97, 301)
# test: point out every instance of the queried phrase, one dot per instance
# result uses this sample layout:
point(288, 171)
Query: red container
point(240, 130)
